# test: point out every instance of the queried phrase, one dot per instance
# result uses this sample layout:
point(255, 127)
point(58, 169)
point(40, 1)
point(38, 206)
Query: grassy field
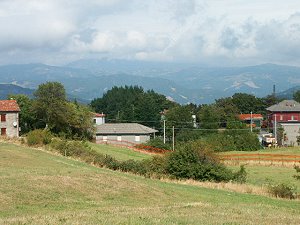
point(118, 152)
point(39, 188)
point(283, 150)
point(262, 175)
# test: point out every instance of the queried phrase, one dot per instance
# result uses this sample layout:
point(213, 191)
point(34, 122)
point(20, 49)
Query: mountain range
point(183, 83)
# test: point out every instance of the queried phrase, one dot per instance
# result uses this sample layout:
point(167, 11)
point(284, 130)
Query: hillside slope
point(39, 188)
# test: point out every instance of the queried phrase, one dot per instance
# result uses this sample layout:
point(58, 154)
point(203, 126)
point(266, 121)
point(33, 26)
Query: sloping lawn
point(39, 188)
point(120, 153)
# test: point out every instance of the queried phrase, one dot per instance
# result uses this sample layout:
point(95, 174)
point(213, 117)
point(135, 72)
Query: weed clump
point(282, 190)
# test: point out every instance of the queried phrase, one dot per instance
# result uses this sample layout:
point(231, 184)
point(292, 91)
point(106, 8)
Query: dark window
point(3, 131)
point(3, 117)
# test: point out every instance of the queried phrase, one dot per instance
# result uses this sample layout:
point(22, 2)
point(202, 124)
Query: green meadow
point(41, 188)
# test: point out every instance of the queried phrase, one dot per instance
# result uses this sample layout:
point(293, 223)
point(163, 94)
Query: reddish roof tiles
point(248, 116)
point(9, 106)
point(99, 115)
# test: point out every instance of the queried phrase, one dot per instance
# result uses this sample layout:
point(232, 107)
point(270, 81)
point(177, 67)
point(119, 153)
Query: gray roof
point(123, 128)
point(285, 106)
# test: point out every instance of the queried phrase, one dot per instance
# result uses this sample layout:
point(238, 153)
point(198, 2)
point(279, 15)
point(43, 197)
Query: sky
point(206, 32)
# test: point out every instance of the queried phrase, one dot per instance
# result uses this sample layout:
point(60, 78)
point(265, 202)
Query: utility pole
point(164, 131)
point(173, 138)
point(275, 128)
point(251, 121)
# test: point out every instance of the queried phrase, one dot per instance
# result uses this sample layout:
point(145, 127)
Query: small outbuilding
point(9, 118)
point(123, 133)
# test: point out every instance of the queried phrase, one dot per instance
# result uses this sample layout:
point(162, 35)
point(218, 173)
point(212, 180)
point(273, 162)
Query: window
point(292, 118)
point(119, 138)
point(104, 138)
point(3, 131)
point(3, 117)
point(137, 138)
point(281, 117)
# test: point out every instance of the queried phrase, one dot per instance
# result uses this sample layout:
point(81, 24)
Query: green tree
point(180, 117)
point(296, 96)
point(247, 103)
point(50, 106)
point(210, 117)
point(54, 112)
point(26, 116)
point(132, 103)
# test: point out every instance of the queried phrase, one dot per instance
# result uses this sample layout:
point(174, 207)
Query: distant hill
point(7, 89)
point(184, 83)
point(288, 94)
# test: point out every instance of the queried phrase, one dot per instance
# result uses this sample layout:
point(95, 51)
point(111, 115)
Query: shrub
point(282, 190)
point(39, 137)
point(195, 161)
point(232, 140)
point(297, 176)
point(241, 175)
point(158, 143)
point(156, 166)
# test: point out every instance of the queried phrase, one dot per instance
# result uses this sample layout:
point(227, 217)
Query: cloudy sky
point(207, 32)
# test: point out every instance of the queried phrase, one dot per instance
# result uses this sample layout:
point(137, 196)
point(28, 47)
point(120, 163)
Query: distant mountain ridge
point(8, 89)
point(183, 83)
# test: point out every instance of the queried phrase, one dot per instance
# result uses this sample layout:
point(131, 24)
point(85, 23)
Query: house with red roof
point(285, 115)
point(98, 118)
point(9, 118)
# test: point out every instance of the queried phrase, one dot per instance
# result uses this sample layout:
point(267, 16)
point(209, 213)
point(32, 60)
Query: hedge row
point(191, 161)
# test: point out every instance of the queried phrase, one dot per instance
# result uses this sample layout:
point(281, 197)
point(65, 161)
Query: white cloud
point(213, 32)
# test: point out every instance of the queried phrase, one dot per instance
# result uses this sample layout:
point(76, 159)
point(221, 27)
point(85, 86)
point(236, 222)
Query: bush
point(195, 161)
point(297, 176)
point(282, 190)
point(158, 143)
point(232, 140)
point(39, 137)
point(241, 175)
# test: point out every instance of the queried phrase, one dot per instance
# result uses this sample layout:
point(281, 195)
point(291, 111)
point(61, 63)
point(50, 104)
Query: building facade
point(123, 133)
point(284, 119)
point(9, 118)
point(98, 118)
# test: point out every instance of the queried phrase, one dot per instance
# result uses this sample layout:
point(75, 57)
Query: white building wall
point(99, 120)
point(292, 131)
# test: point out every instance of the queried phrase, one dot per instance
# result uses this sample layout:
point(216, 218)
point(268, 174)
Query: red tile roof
point(99, 115)
point(9, 106)
point(248, 116)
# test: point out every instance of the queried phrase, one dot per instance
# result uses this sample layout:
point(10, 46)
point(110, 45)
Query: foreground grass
point(262, 175)
point(119, 152)
point(40, 188)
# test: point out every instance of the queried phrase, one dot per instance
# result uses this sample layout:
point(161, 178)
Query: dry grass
point(234, 187)
point(260, 163)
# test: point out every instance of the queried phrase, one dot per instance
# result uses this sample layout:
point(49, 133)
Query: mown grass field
point(39, 188)
point(262, 175)
point(120, 153)
point(283, 150)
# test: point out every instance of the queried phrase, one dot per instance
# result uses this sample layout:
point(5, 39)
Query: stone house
point(9, 118)
point(123, 133)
